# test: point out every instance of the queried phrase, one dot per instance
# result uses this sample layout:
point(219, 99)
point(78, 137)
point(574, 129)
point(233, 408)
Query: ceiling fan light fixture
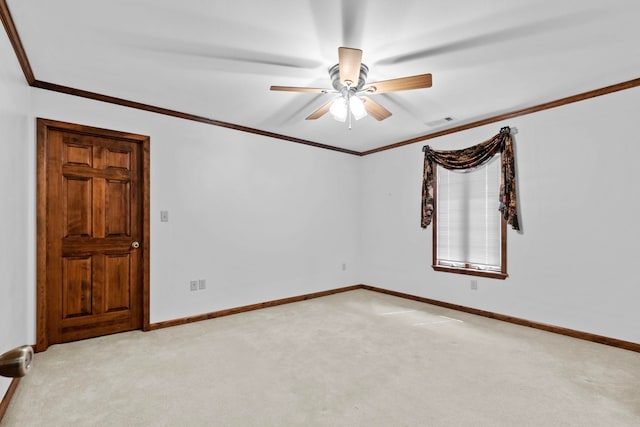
point(357, 107)
point(339, 109)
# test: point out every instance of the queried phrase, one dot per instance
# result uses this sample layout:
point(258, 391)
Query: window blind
point(468, 219)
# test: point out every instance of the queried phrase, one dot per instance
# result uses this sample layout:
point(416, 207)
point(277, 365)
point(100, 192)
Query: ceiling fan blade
point(320, 111)
point(404, 83)
point(298, 89)
point(374, 109)
point(349, 60)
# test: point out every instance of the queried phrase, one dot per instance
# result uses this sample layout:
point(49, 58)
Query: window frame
point(502, 274)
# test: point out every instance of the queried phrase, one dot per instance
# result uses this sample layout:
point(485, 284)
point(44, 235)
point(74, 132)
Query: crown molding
point(14, 38)
point(185, 116)
point(500, 117)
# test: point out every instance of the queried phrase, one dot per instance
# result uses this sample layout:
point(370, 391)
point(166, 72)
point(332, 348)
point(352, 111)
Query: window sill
point(470, 272)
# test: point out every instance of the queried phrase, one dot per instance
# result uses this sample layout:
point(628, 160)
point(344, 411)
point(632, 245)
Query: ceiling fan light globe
point(357, 107)
point(339, 109)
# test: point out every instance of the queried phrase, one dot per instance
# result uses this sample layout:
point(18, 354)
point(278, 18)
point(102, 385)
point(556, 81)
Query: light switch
point(164, 216)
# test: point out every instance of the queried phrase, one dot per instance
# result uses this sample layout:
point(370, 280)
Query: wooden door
point(94, 232)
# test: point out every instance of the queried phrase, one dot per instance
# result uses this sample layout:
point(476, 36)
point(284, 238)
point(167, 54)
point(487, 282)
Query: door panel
point(117, 284)
point(118, 159)
point(76, 287)
point(118, 207)
point(77, 220)
point(94, 212)
point(75, 153)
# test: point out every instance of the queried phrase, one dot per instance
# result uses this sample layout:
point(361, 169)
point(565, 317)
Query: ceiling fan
point(348, 78)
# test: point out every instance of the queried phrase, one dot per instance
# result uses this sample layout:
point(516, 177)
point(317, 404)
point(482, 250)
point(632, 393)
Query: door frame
point(43, 126)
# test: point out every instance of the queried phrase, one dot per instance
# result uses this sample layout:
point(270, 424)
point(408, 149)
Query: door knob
point(135, 245)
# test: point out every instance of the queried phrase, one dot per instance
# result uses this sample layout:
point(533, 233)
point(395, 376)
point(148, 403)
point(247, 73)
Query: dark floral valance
point(472, 157)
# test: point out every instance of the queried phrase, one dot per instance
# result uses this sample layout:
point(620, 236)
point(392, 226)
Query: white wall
point(14, 222)
point(258, 218)
point(575, 263)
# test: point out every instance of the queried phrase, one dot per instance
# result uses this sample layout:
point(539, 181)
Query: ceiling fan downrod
point(348, 83)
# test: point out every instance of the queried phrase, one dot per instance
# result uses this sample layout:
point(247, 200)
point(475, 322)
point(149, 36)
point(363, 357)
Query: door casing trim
point(43, 126)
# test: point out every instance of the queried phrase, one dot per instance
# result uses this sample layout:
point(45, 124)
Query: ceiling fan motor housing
point(334, 73)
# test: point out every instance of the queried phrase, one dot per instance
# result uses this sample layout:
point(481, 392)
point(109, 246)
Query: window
point(469, 233)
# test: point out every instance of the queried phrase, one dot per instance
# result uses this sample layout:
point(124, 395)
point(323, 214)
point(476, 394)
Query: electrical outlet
point(164, 216)
point(474, 285)
point(202, 284)
point(344, 266)
point(194, 285)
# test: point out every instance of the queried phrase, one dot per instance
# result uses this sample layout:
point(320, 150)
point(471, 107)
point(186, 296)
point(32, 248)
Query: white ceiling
point(217, 58)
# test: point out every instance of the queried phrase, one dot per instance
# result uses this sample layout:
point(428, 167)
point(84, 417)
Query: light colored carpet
point(358, 358)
